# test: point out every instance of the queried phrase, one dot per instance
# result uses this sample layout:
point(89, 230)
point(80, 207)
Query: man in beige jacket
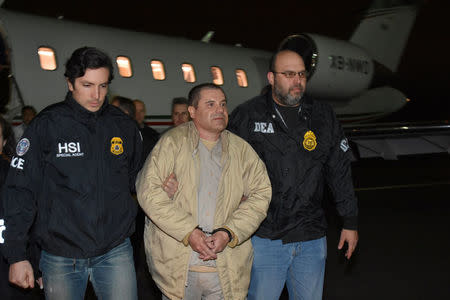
point(197, 242)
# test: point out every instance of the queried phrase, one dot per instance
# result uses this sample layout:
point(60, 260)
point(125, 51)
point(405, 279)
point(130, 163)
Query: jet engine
point(336, 69)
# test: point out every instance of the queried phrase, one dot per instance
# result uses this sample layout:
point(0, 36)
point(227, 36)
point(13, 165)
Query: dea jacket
point(300, 162)
point(72, 176)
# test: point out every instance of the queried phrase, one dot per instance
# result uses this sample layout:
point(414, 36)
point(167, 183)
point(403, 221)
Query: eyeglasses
point(291, 74)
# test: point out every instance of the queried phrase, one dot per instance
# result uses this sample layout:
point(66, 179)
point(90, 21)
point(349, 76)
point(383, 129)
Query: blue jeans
point(112, 275)
point(300, 265)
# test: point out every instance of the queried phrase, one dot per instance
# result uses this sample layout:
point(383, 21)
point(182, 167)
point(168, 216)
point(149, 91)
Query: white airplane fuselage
point(25, 34)
point(342, 71)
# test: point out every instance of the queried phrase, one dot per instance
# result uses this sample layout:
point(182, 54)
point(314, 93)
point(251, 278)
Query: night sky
point(423, 74)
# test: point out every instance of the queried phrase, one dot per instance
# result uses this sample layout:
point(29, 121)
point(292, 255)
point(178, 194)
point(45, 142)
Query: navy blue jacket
point(300, 161)
point(72, 176)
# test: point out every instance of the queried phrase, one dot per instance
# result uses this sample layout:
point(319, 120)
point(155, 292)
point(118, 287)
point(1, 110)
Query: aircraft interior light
point(124, 66)
point(43, 52)
point(188, 72)
point(47, 58)
point(158, 70)
point(241, 78)
point(217, 76)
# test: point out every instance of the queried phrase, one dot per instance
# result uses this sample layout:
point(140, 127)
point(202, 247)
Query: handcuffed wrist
point(230, 236)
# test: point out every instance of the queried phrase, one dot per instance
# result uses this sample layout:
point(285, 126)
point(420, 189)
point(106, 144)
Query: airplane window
point(47, 58)
point(241, 78)
point(188, 72)
point(158, 70)
point(217, 76)
point(124, 65)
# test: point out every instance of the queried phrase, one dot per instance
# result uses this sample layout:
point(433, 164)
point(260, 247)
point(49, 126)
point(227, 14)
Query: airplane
point(155, 68)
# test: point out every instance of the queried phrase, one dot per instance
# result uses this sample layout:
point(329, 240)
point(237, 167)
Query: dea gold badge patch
point(309, 141)
point(116, 145)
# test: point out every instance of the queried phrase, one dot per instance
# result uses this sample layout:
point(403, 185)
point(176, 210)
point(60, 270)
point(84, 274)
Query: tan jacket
point(173, 219)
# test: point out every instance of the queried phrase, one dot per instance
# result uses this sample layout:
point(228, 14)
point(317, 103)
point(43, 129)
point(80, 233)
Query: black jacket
point(298, 175)
point(73, 174)
point(33, 250)
point(150, 137)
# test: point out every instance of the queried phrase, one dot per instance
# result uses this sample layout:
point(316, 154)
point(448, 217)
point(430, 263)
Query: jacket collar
point(306, 106)
point(82, 112)
point(306, 102)
point(194, 137)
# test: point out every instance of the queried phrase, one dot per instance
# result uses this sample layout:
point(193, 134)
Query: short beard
point(287, 99)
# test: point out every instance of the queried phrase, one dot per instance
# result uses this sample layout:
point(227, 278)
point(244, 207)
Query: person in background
point(141, 111)
point(180, 112)
point(124, 104)
point(9, 291)
point(149, 134)
point(6, 139)
point(28, 114)
point(146, 286)
point(136, 110)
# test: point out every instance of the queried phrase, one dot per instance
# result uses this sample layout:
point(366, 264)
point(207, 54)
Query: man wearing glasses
point(303, 146)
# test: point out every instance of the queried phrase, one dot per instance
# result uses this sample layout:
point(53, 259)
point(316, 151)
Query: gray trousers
point(202, 286)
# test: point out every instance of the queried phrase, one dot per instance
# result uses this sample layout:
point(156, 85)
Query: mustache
point(218, 116)
point(297, 86)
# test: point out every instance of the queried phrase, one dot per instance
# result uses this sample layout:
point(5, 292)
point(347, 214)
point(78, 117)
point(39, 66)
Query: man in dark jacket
point(149, 135)
point(72, 176)
point(303, 147)
point(7, 290)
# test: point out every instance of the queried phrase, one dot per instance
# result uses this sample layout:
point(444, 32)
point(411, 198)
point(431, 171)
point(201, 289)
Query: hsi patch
point(22, 147)
point(263, 127)
point(344, 145)
point(69, 149)
point(116, 145)
point(309, 141)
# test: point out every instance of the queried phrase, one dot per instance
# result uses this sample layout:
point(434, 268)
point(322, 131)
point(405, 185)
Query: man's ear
point(69, 85)
point(270, 78)
point(191, 110)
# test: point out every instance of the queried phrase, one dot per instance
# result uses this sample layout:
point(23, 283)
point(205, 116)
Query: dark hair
point(30, 108)
point(126, 105)
point(8, 135)
point(87, 58)
point(179, 100)
point(194, 93)
point(138, 101)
